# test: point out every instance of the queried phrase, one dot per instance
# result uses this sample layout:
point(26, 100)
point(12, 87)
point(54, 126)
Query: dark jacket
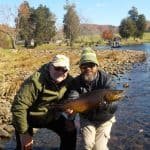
point(102, 81)
point(34, 98)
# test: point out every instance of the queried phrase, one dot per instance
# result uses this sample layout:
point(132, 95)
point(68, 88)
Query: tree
point(127, 28)
point(141, 26)
point(139, 21)
point(134, 25)
point(71, 24)
point(23, 22)
point(133, 14)
point(37, 24)
point(7, 14)
point(107, 35)
point(45, 24)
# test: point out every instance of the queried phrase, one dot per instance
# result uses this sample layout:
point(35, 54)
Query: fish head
point(114, 95)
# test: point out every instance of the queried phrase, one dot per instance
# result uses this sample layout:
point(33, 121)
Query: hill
point(92, 29)
point(96, 29)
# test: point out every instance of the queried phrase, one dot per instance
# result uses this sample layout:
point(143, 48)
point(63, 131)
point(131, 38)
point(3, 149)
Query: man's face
point(89, 71)
point(58, 74)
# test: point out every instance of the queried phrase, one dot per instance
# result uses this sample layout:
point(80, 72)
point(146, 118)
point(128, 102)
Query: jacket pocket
point(40, 118)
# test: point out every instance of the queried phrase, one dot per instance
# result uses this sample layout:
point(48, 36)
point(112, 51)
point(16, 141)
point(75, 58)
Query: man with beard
point(95, 124)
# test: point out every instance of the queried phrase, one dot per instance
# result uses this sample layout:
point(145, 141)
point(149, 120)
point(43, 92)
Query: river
point(132, 128)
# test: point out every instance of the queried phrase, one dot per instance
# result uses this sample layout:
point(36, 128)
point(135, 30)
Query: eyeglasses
point(62, 69)
point(87, 65)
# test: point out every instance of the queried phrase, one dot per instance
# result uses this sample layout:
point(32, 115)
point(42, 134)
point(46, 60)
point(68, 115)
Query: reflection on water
point(132, 129)
point(145, 47)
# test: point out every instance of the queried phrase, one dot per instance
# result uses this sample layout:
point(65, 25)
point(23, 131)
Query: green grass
point(146, 37)
point(89, 40)
point(131, 40)
point(96, 39)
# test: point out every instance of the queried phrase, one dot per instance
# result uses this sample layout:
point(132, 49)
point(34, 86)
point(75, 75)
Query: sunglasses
point(87, 65)
point(62, 69)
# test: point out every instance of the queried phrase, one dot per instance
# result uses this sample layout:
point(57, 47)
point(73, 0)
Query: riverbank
point(15, 66)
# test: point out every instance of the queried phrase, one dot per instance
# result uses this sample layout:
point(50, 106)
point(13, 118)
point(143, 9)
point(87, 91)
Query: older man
point(32, 104)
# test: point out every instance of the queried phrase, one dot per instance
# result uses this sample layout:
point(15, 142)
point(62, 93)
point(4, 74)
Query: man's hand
point(26, 141)
point(69, 111)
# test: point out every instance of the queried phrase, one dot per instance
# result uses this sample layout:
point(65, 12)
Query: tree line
point(39, 23)
point(134, 25)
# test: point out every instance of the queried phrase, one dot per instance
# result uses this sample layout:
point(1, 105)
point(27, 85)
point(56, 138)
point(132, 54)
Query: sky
point(103, 12)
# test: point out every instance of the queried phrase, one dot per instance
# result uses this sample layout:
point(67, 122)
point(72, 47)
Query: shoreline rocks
point(113, 62)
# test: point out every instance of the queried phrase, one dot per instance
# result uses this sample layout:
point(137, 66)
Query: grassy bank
point(97, 39)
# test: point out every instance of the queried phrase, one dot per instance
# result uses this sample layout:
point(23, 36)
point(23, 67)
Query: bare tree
point(7, 17)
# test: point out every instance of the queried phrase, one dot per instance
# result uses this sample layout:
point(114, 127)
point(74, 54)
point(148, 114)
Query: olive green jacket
point(35, 96)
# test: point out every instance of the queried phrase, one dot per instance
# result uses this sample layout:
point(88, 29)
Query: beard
point(89, 77)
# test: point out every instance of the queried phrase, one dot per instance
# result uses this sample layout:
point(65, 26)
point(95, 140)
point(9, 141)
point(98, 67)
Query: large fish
point(92, 100)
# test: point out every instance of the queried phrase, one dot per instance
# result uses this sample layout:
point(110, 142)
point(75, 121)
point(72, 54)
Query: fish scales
point(93, 99)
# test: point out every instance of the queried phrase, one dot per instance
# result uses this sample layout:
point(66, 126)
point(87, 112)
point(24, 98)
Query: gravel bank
point(114, 62)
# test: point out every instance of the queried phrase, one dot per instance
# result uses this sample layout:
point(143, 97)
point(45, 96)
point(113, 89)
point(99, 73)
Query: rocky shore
point(18, 65)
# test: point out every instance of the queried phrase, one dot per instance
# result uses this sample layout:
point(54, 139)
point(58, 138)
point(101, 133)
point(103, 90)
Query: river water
point(132, 128)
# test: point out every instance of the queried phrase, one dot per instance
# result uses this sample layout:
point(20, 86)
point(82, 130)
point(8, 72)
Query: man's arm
point(23, 100)
point(107, 81)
